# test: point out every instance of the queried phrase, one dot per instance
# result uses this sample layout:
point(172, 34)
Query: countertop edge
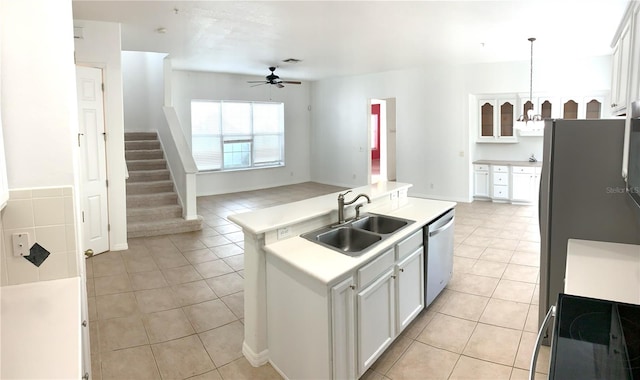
point(507, 163)
point(272, 218)
point(326, 266)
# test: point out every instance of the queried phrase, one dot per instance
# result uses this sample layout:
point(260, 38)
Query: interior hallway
point(171, 307)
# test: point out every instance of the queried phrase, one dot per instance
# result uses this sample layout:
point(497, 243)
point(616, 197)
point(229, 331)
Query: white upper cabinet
point(634, 71)
point(576, 106)
point(620, 69)
point(497, 116)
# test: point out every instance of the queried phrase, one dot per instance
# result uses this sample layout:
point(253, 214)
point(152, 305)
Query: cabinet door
point(619, 82)
point(376, 322)
point(521, 190)
point(343, 330)
point(410, 288)
point(507, 118)
point(487, 118)
point(481, 184)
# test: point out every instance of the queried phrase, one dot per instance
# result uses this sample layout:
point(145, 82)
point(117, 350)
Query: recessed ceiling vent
point(291, 60)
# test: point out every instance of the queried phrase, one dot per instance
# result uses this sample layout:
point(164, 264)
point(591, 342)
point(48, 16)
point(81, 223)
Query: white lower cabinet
point(517, 184)
point(410, 288)
point(376, 322)
point(525, 184)
point(481, 181)
point(340, 331)
point(343, 329)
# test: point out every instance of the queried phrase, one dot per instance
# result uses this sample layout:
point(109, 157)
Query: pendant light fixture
point(530, 120)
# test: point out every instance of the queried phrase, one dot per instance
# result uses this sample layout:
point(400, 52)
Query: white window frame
point(250, 138)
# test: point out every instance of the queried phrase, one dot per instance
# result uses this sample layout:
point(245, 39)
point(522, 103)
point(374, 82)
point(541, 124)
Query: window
point(228, 135)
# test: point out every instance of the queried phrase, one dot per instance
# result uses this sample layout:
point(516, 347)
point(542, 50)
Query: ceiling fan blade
point(256, 81)
point(259, 84)
point(290, 82)
point(279, 85)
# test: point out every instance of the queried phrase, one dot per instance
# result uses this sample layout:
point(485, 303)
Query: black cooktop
point(595, 339)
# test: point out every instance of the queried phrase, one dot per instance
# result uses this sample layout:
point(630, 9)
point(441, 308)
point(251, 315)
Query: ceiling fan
point(273, 79)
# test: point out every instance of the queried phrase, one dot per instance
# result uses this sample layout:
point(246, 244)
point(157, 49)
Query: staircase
point(152, 203)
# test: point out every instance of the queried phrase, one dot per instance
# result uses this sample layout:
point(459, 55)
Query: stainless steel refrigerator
point(581, 196)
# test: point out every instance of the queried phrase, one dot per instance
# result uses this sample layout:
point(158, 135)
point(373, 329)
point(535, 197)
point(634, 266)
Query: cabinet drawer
point(481, 168)
point(501, 178)
point(409, 245)
point(371, 271)
point(501, 192)
point(523, 169)
point(500, 169)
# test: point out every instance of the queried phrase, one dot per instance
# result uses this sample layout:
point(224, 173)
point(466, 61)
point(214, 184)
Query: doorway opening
point(382, 140)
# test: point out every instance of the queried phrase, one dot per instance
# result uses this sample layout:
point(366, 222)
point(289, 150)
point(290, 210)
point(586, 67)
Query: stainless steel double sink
point(356, 237)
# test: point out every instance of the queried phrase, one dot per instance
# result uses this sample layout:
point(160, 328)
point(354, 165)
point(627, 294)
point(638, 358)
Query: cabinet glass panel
point(506, 119)
point(593, 109)
point(570, 110)
point(487, 119)
point(528, 105)
point(545, 109)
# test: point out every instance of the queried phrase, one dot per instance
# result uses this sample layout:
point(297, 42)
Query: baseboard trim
point(255, 359)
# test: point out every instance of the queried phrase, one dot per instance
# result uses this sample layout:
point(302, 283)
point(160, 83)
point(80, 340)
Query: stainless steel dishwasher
point(438, 239)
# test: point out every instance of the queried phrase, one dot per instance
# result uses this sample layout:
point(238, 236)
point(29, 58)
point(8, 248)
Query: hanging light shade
point(530, 120)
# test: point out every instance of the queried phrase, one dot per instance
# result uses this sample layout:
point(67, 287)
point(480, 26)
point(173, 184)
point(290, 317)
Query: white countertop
point(327, 265)
point(40, 330)
point(508, 163)
point(275, 217)
point(603, 270)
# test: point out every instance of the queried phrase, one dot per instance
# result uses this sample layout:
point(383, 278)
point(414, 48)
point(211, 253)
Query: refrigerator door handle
point(536, 350)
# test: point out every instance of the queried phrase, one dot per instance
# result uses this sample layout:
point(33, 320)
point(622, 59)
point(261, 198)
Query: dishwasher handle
point(440, 229)
point(536, 350)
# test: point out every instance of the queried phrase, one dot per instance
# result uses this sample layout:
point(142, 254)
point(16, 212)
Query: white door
point(93, 171)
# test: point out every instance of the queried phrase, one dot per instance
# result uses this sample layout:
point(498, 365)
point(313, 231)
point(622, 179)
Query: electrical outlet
point(284, 232)
point(20, 244)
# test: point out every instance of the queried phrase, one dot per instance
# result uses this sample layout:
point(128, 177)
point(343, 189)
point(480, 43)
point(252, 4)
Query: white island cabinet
point(305, 304)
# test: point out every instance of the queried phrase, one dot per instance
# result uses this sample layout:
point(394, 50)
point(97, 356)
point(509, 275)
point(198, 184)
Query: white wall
point(143, 90)
point(430, 128)
point(435, 143)
point(39, 114)
point(40, 123)
point(188, 85)
point(100, 47)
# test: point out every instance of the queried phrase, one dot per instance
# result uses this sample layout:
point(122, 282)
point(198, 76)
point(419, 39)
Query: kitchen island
point(290, 282)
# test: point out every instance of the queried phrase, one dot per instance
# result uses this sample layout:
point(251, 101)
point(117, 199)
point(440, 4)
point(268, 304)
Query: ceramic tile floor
point(171, 307)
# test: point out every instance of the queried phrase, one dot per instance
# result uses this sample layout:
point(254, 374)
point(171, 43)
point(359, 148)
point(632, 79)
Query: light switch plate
point(20, 244)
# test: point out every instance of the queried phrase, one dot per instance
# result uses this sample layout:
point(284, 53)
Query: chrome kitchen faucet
point(342, 203)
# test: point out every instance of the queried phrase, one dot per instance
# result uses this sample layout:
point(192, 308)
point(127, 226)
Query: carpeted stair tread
point(148, 187)
point(152, 203)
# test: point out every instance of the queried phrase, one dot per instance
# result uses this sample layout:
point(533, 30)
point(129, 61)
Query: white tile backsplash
point(47, 215)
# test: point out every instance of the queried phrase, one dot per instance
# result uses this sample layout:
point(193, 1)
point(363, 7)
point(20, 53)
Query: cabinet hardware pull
point(401, 269)
point(84, 323)
point(352, 286)
point(393, 276)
